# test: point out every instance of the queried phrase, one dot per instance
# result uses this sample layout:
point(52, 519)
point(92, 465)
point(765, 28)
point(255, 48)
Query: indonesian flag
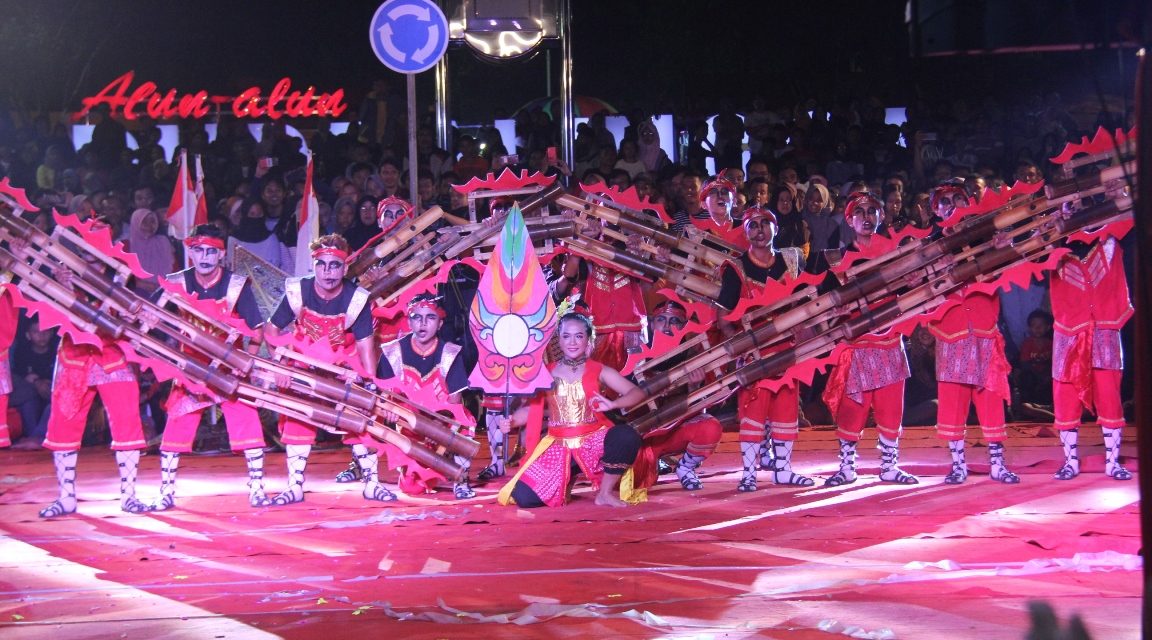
point(182, 208)
point(309, 219)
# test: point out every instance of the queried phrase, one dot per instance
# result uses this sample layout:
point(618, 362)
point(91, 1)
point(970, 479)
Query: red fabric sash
point(837, 382)
point(1078, 366)
point(996, 376)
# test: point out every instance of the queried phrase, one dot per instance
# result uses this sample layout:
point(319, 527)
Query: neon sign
point(147, 99)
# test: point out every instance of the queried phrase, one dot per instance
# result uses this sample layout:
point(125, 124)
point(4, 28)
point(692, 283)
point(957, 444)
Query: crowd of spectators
point(803, 160)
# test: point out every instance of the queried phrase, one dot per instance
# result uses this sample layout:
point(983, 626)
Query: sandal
point(289, 497)
point(163, 503)
point(132, 505)
point(839, 479)
point(957, 476)
point(491, 472)
point(1005, 477)
point(462, 491)
point(896, 475)
point(259, 499)
point(351, 474)
point(1119, 473)
point(691, 482)
point(747, 485)
point(56, 509)
point(1067, 472)
point(377, 493)
point(792, 479)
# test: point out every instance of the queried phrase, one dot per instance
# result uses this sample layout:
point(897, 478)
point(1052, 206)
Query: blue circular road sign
point(409, 36)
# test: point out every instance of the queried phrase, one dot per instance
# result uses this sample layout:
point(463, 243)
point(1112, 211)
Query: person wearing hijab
point(254, 236)
point(365, 225)
point(653, 157)
point(154, 251)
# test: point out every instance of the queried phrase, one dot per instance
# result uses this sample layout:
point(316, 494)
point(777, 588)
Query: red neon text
point(146, 99)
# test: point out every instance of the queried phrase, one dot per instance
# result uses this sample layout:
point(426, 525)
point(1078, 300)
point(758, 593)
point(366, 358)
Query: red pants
point(887, 403)
point(611, 350)
point(296, 432)
point(952, 414)
point(698, 436)
point(121, 401)
point(1105, 397)
point(242, 421)
point(779, 411)
point(5, 437)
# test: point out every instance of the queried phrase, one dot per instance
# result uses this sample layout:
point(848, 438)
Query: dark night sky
point(681, 54)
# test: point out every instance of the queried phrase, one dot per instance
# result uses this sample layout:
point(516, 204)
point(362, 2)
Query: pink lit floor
point(869, 560)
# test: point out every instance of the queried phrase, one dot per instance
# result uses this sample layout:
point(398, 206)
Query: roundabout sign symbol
point(409, 36)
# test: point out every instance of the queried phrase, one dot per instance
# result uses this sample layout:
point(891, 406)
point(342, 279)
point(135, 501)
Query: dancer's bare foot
point(609, 500)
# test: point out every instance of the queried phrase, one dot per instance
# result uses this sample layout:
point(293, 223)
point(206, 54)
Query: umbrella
point(582, 106)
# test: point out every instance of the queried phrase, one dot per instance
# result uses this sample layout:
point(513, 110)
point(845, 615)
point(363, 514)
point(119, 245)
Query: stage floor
point(868, 560)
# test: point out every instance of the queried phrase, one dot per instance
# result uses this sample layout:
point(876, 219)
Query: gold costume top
point(569, 412)
point(568, 404)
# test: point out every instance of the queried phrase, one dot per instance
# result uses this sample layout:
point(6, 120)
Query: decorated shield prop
point(512, 316)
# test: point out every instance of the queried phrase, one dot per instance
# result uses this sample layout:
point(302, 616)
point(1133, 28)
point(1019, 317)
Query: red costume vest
point(315, 326)
point(614, 300)
point(1093, 292)
point(975, 314)
point(435, 380)
point(733, 235)
point(232, 295)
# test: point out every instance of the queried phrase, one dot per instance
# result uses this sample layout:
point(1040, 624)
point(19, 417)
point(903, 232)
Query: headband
point(335, 252)
point(669, 306)
point(752, 214)
point(204, 241)
point(428, 304)
point(717, 184)
point(392, 202)
point(861, 200)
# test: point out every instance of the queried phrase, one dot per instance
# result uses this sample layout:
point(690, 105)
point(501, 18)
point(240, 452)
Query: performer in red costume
point(578, 430)
point(970, 365)
point(766, 415)
point(387, 322)
point(1090, 304)
point(869, 375)
point(615, 302)
point(425, 364)
point(8, 321)
point(719, 199)
point(209, 280)
point(82, 371)
point(327, 306)
point(695, 438)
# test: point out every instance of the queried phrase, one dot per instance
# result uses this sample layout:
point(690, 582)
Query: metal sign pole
point(413, 197)
point(443, 124)
point(568, 122)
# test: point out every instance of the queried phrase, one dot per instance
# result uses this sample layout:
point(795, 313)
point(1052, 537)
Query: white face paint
point(329, 273)
point(205, 259)
point(948, 203)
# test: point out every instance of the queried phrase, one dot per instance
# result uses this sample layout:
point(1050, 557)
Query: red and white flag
point(309, 220)
point(182, 208)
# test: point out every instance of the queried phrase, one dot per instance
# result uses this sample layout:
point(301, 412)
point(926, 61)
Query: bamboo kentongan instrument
point(924, 295)
point(326, 403)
